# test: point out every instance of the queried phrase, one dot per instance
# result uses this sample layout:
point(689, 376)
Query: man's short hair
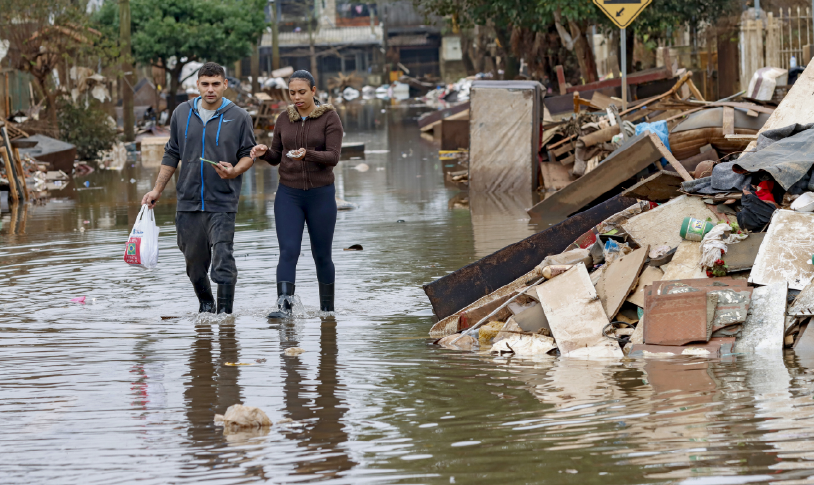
point(211, 69)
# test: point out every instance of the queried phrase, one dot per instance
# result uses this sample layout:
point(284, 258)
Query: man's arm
point(227, 171)
point(164, 176)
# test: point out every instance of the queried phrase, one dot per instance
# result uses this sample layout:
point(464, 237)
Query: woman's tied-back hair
point(211, 69)
point(303, 74)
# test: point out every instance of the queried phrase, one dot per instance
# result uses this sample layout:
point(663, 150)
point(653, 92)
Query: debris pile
point(712, 265)
point(692, 130)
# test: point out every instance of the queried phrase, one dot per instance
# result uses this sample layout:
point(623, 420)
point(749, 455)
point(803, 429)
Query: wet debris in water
point(355, 247)
point(294, 351)
point(240, 417)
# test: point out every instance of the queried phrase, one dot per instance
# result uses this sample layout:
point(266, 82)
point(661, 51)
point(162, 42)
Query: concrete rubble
point(703, 263)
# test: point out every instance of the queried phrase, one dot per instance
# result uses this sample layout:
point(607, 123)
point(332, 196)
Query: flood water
point(109, 392)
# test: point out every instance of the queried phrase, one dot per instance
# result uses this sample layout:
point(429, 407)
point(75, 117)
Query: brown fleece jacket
point(321, 136)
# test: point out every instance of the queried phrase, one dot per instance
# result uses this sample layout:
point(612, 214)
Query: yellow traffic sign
point(622, 12)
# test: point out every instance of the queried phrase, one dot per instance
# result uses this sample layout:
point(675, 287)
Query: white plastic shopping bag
point(142, 245)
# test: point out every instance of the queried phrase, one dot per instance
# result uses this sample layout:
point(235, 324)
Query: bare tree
point(41, 35)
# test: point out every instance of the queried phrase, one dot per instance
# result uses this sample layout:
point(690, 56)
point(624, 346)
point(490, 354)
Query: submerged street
point(124, 387)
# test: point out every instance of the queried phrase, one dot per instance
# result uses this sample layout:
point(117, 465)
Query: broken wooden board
point(716, 347)
point(555, 176)
point(803, 305)
point(659, 187)
point(741, 256)
point(451, 323)
point(648, 276)
point(576, 316)
point(504, 136)
point(785, 255)
point(685, 263)
point(764, 327)
point(661, 225)
point(632, 157)
point(619, 279)
point(451, 293)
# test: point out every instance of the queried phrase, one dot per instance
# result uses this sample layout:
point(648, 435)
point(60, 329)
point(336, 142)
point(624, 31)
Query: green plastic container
point(694, 229)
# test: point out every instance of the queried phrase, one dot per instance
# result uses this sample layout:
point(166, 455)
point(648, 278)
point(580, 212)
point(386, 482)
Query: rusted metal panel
point(678, 319)
point(460, 288)
point(716, 347)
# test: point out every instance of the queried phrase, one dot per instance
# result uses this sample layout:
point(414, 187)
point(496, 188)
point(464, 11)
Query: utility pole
point(255, 68)
point(275, 43)
point(127, 71)
point(312, 33)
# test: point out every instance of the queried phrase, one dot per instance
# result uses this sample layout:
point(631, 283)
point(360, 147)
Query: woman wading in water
point(306, 144)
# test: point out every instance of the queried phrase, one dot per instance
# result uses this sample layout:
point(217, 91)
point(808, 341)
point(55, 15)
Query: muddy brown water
point(108, 392)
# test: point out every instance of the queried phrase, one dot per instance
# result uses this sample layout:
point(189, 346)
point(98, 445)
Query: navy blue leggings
point(293, 208)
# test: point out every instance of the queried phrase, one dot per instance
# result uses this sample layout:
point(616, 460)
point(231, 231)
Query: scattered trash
point(362, 167)
point(238, 416)
point(260, 361)
point(236, 363)
point(355, 247)
point(79, 299)
point(294, 351)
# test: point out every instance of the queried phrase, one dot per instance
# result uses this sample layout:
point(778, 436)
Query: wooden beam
point(9, 175)
point(694, 90)
point(668, 155)
point(633, 79)
point(18, 163)
point(659, 187)
point(561, 79)
point(729, 121)
point(632, 157)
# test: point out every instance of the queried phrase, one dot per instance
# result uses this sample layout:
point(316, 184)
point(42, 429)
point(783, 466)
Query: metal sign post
point(623, 13)
point(623, 43)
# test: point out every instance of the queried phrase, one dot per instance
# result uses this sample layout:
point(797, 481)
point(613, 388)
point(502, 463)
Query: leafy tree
point(171, 33)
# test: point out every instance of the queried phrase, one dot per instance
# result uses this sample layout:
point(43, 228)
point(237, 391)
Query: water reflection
point(322, 434)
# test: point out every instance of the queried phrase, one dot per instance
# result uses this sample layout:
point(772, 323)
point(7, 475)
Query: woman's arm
point(333, 142)
point(275, 152)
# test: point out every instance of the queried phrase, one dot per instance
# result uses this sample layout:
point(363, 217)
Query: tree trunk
point(511, 67)
point(51, 110)
point(172, 102)
point(127, 67)
point(584, 53)
point(255, 67)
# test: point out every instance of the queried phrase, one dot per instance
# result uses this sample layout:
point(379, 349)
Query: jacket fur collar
point(294, 115)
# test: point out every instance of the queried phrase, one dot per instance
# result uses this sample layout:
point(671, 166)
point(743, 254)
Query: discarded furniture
point(504, 135)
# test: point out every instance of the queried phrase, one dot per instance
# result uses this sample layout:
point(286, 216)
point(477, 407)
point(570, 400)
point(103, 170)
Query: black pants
point(293, 208)
point(207, 238)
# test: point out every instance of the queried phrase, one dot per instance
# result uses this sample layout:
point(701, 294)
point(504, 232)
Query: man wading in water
point(207, 127)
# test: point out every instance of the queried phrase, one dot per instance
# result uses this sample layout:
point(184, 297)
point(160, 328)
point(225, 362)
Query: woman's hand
point(258, 151)
point(297, 154)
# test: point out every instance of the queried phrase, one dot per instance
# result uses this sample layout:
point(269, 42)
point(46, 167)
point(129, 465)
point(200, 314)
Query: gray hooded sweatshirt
point(228, 136)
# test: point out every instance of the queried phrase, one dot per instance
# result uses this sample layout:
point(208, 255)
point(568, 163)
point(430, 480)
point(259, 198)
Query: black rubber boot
point(226, 298)
point(206, 302)
point(283, 288)
point(326, 297)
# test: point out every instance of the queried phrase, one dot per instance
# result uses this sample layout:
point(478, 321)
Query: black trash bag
point(755, 214)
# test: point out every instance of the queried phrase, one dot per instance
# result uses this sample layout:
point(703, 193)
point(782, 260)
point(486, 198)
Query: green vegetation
point(172, 33)
point(87, 127)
